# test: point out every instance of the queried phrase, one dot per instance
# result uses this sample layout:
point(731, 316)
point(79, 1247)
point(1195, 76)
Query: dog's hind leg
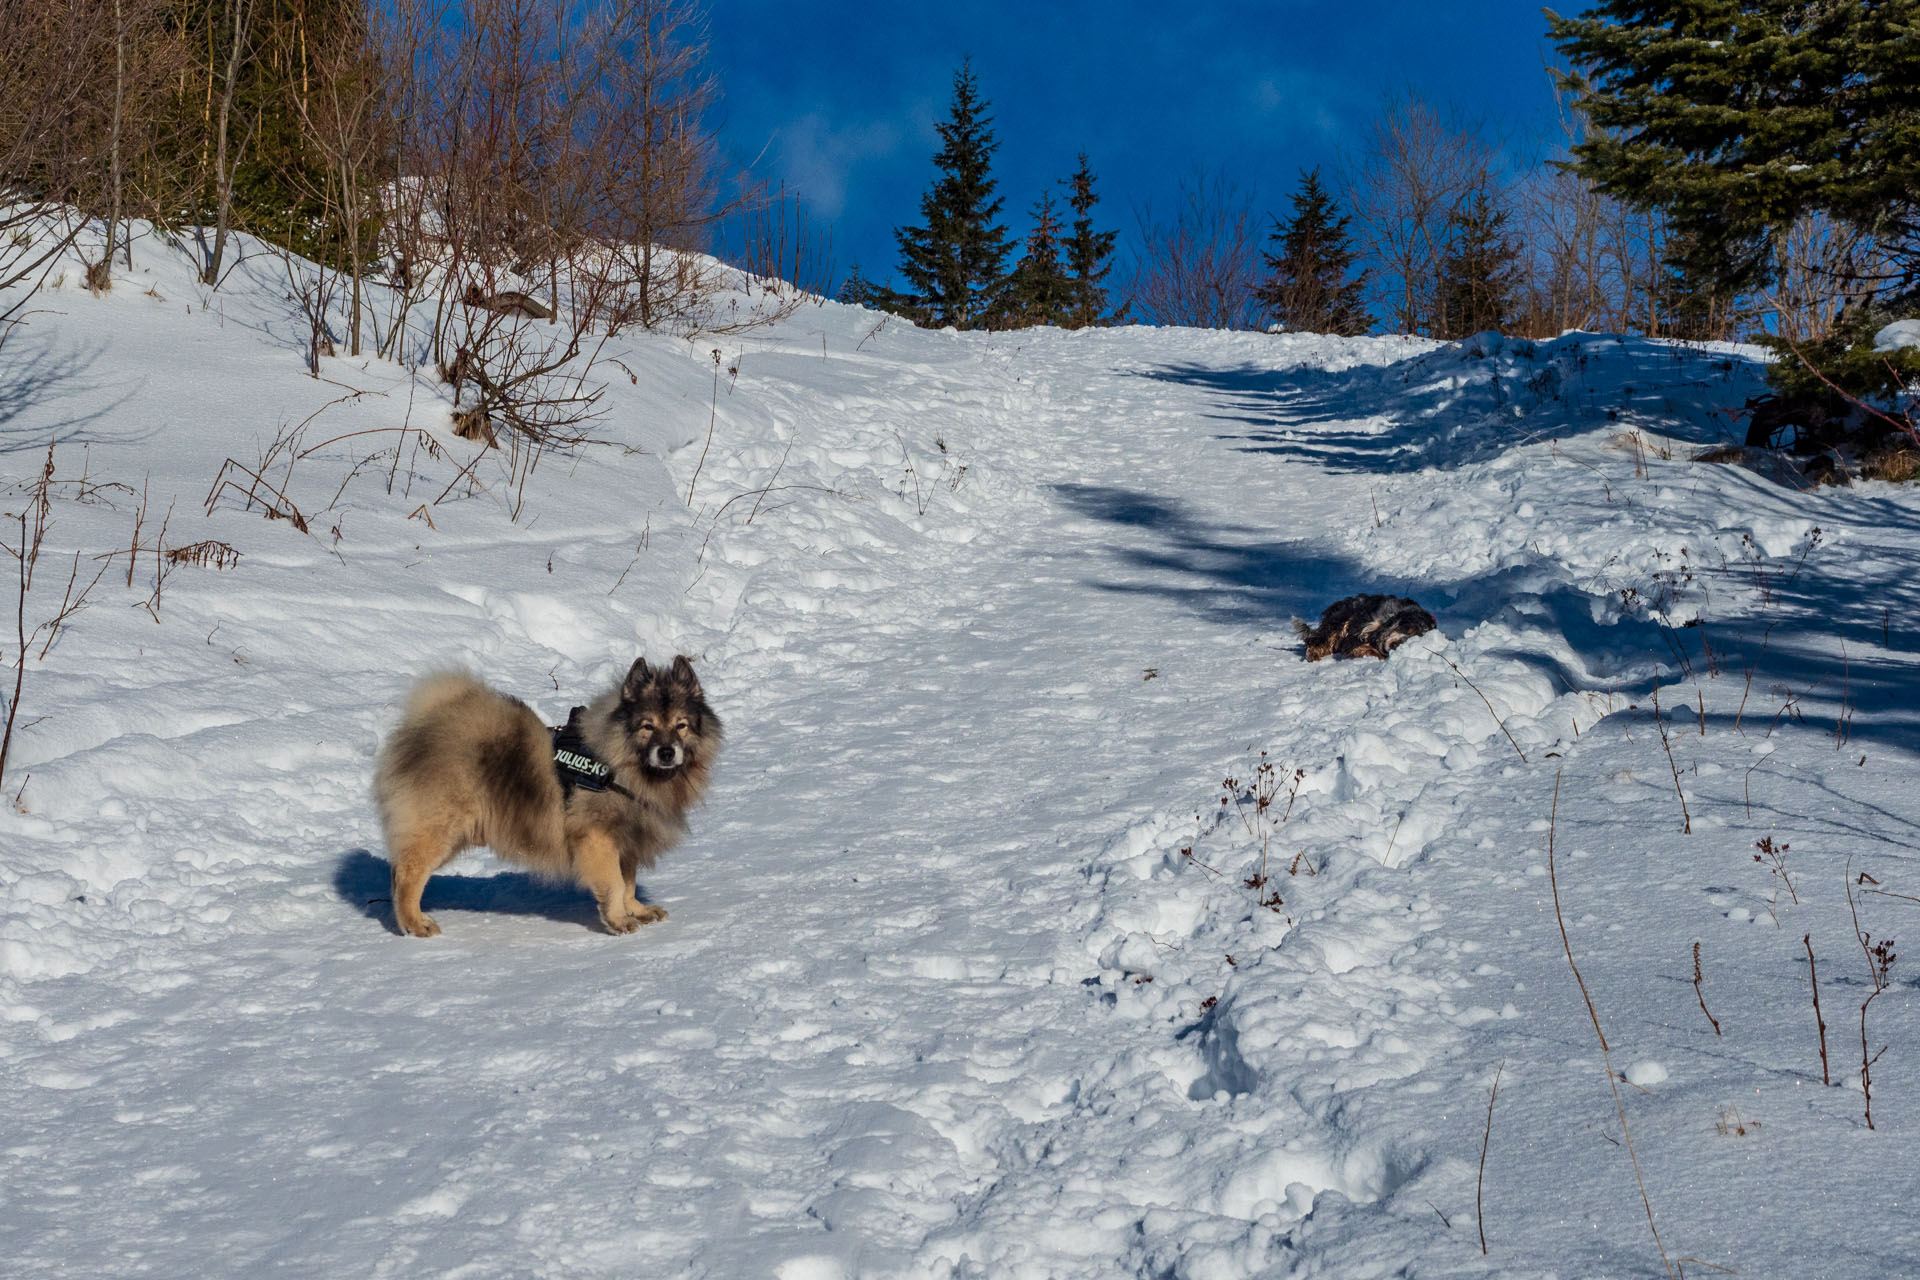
point(414, 859)
point(599, 866)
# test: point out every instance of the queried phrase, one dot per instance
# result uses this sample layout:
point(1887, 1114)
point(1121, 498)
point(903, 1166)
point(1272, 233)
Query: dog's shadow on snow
point(363, 882)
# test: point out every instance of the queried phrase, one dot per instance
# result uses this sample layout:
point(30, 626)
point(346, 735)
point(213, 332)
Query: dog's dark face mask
point(666, 715)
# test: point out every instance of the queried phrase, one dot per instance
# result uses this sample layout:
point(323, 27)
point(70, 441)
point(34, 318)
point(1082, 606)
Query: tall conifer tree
point(954, 264)
point(1478, 275)
point(1039, 291)
point(1089, 253)
point(1307, 288)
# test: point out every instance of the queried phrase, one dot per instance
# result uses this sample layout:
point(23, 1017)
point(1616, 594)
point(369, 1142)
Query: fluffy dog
point(469, 766)
point(1364, 627)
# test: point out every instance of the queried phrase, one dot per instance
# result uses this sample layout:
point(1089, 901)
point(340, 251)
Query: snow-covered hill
point(963, 975)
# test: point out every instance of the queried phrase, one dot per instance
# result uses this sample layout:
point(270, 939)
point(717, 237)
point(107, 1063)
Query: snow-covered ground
point(963, 975)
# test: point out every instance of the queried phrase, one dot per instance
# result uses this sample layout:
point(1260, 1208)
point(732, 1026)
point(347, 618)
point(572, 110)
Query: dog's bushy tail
point(438, 690)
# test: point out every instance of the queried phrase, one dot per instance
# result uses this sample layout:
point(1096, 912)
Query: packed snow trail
point(962, 977)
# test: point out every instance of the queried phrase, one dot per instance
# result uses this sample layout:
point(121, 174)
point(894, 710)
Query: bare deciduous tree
point(345, 115)
point(1202, 267)
point(238, 31)
point(1824, 267)
point(46, 54)
point(1407, 187)
point(660, 176)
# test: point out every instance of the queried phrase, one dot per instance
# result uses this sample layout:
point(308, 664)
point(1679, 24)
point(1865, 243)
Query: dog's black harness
point(574, 762)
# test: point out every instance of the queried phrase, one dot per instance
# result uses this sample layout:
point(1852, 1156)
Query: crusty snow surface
point(963, 976)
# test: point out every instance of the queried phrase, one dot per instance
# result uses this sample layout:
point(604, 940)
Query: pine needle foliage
point(1039, 290)
point(1308, 289)
point(955, 262)
point(1089, 254)
point(1735, 117)
point(1479, 275)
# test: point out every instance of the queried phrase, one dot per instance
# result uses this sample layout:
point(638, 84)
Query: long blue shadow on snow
point(362, 881)
point(1232, 575)
point(1453, 406)
point(1229, 574)
point(39, 385)
point(1223, 573)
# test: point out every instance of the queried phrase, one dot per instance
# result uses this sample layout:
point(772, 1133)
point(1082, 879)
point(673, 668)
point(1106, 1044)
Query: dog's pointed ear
point(683, 675)
point(639, 676)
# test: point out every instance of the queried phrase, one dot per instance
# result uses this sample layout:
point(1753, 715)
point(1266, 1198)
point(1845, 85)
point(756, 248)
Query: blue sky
point(838, 100)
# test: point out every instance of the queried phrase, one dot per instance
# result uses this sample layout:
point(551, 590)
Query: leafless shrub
point(1202, 267)
point(33, 520)
point(1880, 959)
point(510, 370)
point(782, 253)
point(253, 485)
point(312, 286)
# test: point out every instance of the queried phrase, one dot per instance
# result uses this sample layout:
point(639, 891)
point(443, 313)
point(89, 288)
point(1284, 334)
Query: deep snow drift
point(963, 975)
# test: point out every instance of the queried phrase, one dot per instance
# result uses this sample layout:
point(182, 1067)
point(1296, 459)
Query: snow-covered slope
point(963, 977)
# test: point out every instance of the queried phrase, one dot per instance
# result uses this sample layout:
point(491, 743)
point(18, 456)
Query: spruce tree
point(859, 291)
point(1735, 117)
point(1307, 288)
point(1089, 253)
point(1039, 291)
point(1478, 275)
point(954, 264)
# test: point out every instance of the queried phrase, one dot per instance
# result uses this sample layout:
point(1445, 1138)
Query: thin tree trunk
point(222, 169)
point(119, 100)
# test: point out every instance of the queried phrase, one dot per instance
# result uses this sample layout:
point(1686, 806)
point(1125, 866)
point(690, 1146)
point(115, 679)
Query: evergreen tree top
point(1736, 116)
point(1089, 252)
point(1315, 227)
point(953, 264)
point(1307, 288)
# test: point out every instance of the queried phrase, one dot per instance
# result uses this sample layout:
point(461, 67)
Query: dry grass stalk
point(1486, 1139)
point(1880, 958)
point(34, 519)
point(1698, 994)
point(1686, 818)
point(1483, 697)
point(1813, 974)
point(1593, 1015)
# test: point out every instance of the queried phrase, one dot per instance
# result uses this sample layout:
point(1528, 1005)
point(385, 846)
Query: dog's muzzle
point(668, 755)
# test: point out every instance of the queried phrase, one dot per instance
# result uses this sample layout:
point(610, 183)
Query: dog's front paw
point(631, 917)
point(421, 925)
